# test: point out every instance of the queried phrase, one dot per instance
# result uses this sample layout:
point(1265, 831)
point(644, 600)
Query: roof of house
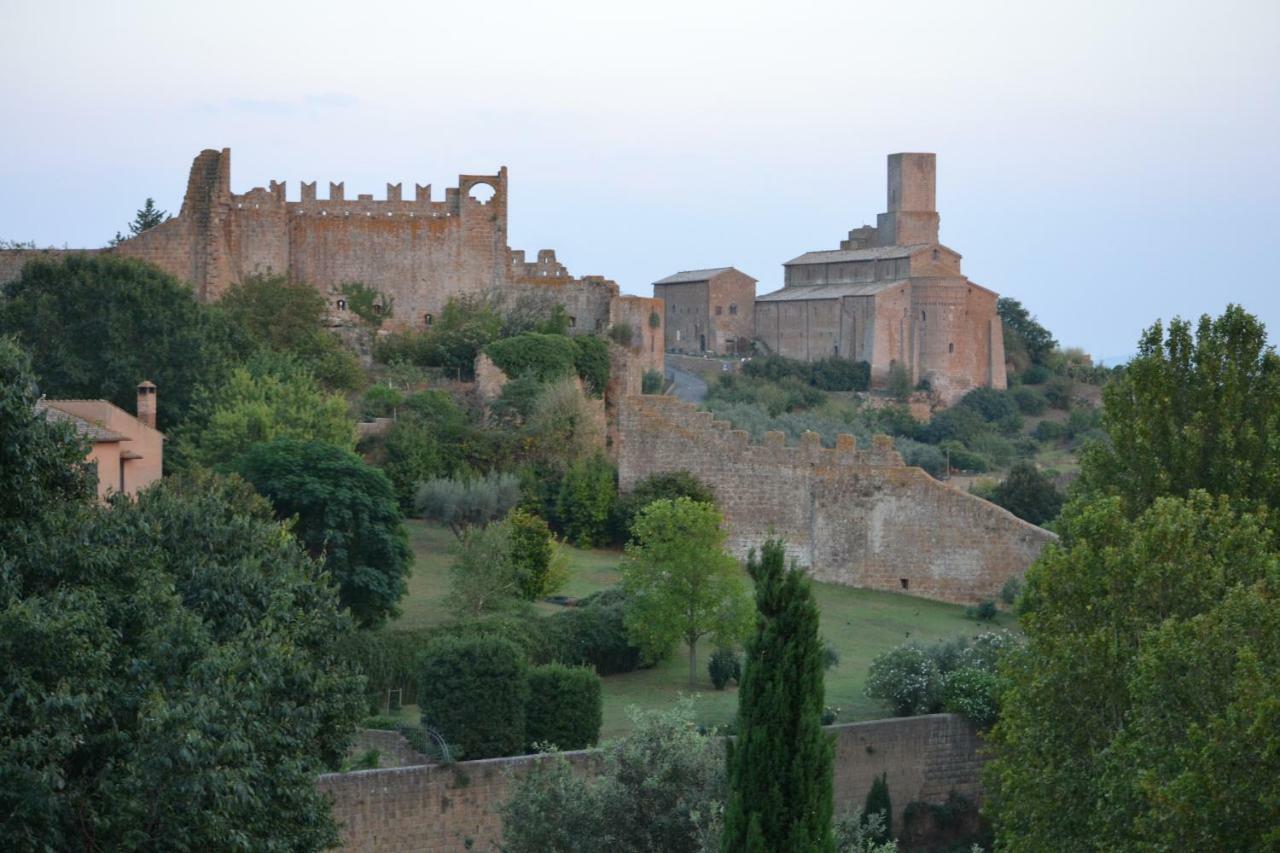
point(829, 291)
point(875, 253)
point(691, 276)
point(94, 432)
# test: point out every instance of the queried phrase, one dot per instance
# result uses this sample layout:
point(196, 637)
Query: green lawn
point(859, 623)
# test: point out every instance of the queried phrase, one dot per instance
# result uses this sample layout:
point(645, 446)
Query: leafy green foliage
point(165, 656)
point(1026, 342)
point(270, 397)
point(913, 679)
point(97, 325)
point(431, 438)
point(1144, 712)
point(860, 833)
point(368, 303)
point(680, 584)
point(1192, 413)
point(591, 361)
point(651, 382)
point(584, 505)
point(474, 691)
point(287, 317)
point(670, 485)
point(1029, 494)
point(780, 764)
point(538, 566)
point(1029, 400)
point(564, 427)
point(725, 666)
point(659, 788)
point(41, 462)
point(565, 706)
point(879, 804)
point(595, 634)
point(345, 512)
point(505, 562)
point(906, 680)
point(464, 327)
point(898, 383)
point(990, 404)
point(461, 504)
point(544, 357)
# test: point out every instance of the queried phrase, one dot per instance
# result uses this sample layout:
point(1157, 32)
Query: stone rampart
point(454, 808)
point(852, 516)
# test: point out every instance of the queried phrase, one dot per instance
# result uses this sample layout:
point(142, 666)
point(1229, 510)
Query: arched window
point(922, 317)
point(428, 319)
point(342, 305)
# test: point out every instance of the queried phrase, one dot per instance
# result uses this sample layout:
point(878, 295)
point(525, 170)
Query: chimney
point(147, 403)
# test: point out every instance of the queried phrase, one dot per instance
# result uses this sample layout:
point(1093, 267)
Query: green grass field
point(859, 623)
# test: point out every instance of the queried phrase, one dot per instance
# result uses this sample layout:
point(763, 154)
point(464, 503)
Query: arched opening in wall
point(482, 192)
point(922, 317)
point(342, 305)
point(951, 347)
point(428, 319)
point(702, 342)
point(573, 322)
point(377, 307)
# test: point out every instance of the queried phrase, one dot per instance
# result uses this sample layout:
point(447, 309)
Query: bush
point(963, 459)
point(538, 567)
point(899, 383)
point(776, 368)
point(1028, 400)
point(838, 374)
point(973, 693)
point(595, 634)
point(622, 334)
point(1028, 494)
point(591, 361)
point(1049, 431)
point(1036, 374)
point(959, 423)
point(564, 709)
point(925, 456)
point(585, 502)
point(1059, 392)
point(878, 803)
point(991, 405)
point(462, 504)
point(984, 612)
point(543, 357)
point(380, 401)
point(675, 484)
point(725, 666)
point(651, 382)
point(906, 680)
point(1011, 590)
point(474, 693)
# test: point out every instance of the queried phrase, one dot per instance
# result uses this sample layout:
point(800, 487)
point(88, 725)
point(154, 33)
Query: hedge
point(565, 707)
point(473, 691)
point(543, 357)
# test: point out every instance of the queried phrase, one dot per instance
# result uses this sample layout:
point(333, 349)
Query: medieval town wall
point(456, 807)
point(852, 516)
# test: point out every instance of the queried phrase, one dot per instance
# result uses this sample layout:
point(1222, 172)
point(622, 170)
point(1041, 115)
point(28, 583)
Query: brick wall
point(853, 516)
point(436, 808)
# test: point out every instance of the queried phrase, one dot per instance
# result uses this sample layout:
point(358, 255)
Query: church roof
point(828, 291)
point(875, 253)
point(691, 276)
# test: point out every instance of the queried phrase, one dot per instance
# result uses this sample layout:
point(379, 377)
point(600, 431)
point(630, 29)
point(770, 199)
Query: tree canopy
point(1192, 412)
point(680, 583)
point(170, 680)
point(1028, 494)
point(1145, 711)
point(97, 325)
point(1026, 342)
point(345, 512)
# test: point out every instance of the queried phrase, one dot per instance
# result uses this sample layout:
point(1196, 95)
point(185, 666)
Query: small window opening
point(573, 321)
point(342, 305)
point(719, 310)
point(377, 308)
point(951, 347)
point(922, 317)
point(733, 309)
point(905, 583)
point(428, 319)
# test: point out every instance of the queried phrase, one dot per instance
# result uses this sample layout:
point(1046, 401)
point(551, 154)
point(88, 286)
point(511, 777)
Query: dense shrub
point(595, 634)
point(990, 404)
point(1036, 374)
point(912, 679)
point(1059, 392)
point(838, 374)
point(389, 661)
point(879, 803)
point(543, 357)
point(380, 401)
point(973, 693)
point(1050, 431)
point(465, 326)
point(1029, 400)
point(651, 382)
point(964, 459)
point(899, 383)
point(591, 361)
point(925, 456)
point(1011, 589)
point(725, 666)
point(776, 368)
point(534, 560)
point(473, 691)
point(906, 680)
point(1029, 494)
point(585, 502)
point(462, 504)
point(959, 423)
point(622, 334)
point(897, 420)
point(565, 707)
point(675, 484)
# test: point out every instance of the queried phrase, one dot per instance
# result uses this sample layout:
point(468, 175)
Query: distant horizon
point(1095, 175)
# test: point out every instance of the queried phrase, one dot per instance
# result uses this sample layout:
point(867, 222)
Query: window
point(935, 254)
point(733, 309)
point(905, 583)
point(377, 308)
point(835, 349)
point(719, 310)
point(573, 321)
point(342, 305)
point(428, 319)
point(922, 317)
point(951, 347)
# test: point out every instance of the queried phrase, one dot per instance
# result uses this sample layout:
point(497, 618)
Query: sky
point(1105, 163)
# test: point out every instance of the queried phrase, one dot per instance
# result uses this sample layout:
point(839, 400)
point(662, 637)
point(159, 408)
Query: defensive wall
point(456, 807)
point(852, 516)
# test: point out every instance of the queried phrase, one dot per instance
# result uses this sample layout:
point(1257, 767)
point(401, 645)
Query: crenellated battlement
point(392, 205)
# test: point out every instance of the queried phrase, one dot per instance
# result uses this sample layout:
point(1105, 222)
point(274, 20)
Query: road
point(688, 386)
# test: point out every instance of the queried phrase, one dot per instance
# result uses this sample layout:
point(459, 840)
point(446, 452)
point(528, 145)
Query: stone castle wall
point(858, 517)
point(454, 808)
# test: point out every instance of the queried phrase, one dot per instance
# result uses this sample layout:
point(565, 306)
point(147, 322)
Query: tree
point(1143, 713)
point(673, 484)
point(148, 217)
point(564, 427)
point(879, 803)
point(658, 789)
point(539, 567)
point(170, 678)
point(463, 504)
point(272, 396)
point(1029, 494)
point(345, 512)
point(680, 583)
point(473, 691)
point(1192, 413)
point(585, 501)
point(1025, 340)
point(42, 463)
point(780, 765)
point(288, 317)
point(97, 325)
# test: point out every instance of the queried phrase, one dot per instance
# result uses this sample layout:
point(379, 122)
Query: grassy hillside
point(859, 623)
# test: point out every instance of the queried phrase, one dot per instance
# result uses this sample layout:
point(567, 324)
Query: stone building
point(127, 451)
point(418, 252)
point(891, 295)
point(708, 310)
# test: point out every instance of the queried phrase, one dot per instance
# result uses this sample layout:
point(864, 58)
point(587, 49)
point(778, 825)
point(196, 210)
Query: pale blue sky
point(1107, 163)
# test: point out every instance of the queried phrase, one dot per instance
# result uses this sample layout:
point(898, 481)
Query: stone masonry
point(892, 296)
point(852, 516)
point(708, 310)
point(455, 808)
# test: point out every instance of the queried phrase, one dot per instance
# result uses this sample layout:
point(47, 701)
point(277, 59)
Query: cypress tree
point(780, 764)
point(878, 802)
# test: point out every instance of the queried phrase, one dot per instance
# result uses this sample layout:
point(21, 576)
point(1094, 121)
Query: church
point(892, 296)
